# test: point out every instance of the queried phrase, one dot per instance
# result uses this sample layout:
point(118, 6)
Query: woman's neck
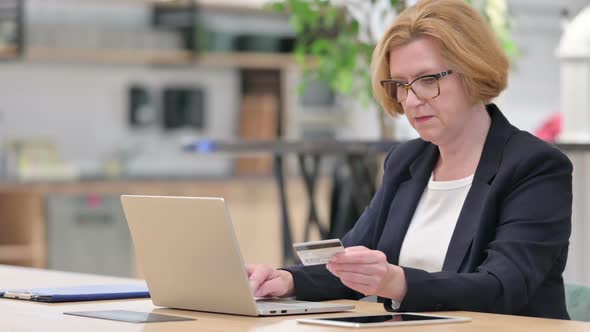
point(460, 156)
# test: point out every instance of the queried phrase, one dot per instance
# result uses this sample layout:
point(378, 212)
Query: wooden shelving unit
point(233, 5)
point(15, 253)
point(250, 60)
point(115, 56)
point(23, 215)
point(254, 211)
point(141, 56)
point(8, 52)
point(23, 229)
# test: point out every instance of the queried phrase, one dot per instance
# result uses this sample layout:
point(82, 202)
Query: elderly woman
point(473, 215)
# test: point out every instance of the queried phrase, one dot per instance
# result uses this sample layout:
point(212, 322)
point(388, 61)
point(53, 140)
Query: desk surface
point(30, 316)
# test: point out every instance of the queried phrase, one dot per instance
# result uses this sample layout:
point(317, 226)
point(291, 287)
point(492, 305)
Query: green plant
point(327, 45)
point(329, 49)
point(497, 14)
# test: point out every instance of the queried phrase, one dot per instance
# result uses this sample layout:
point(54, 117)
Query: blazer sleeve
point(316, 283)
point(532, 235)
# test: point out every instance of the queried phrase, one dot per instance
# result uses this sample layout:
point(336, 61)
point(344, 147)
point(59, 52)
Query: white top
point(429, 234)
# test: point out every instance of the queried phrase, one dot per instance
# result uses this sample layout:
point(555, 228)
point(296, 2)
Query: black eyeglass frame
point(408, 86)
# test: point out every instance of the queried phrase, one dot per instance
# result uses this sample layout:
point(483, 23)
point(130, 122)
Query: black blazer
point(509, 248)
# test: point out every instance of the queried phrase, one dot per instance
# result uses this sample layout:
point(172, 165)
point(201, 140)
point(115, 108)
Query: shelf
point(236, 5)
point(255, 6)
point(250, 60)
point(8, 52)
point(160, 57)
point(331, 119)
point(102, 56)
point(13, 253)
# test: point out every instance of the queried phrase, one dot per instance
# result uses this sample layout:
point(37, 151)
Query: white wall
point(578, 268)
point(533, 91)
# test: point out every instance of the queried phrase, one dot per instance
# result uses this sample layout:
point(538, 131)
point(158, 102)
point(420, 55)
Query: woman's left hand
point(368, 272)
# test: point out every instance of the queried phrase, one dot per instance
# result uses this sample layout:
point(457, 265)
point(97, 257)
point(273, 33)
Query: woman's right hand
point(266, 281)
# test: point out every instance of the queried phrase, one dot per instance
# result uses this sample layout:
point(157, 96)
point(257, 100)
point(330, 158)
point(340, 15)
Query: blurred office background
point(98, 98)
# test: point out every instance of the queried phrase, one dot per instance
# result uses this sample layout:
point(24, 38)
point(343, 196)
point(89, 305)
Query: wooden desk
point(30, 316)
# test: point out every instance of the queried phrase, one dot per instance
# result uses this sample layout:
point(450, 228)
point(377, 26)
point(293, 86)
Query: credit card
point(318, 252)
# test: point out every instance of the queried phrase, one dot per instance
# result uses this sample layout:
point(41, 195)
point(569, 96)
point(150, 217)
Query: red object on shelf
point(93, 201)
point(550, 128)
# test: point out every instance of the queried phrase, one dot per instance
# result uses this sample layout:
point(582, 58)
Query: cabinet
point(252, 203)
point(25, 215)
point(88, 233)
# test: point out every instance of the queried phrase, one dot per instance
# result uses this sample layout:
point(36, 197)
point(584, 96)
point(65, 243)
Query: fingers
point(351, 250)
point(357, 278)
point(359, 255)
point(257, 275)
point(272, 287)
point(366, 269)
point(267, 281)
point(361, 288)
point(361, 269)
point(361, 273)
point(365, 284)
point(356, 248)
point(250, 269)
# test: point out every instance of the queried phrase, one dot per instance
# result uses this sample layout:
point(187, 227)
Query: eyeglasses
point(424, 87)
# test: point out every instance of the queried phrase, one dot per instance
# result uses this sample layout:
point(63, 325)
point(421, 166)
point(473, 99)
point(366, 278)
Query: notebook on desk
point(79, 293)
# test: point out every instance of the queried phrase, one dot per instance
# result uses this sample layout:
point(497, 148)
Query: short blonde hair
point(466, 41)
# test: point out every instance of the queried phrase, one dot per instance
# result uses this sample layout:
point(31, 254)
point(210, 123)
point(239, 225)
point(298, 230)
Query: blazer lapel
point(471, 214)
point(467, 224)
point(404, 203)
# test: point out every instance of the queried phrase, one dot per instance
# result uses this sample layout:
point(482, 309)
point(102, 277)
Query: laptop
point(190, 257)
